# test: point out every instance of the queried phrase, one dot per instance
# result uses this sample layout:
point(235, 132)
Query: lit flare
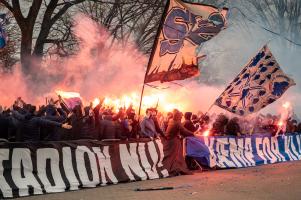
point(67, 95)
point(95, 102)
point(206, 133)
point(286, 105)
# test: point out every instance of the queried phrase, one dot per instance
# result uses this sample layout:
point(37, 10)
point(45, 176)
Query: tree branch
point(17, 11)
point(7, 5)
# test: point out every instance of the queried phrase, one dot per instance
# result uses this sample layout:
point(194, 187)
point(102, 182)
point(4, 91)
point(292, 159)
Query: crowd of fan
point(260, 124)
point(55, 122)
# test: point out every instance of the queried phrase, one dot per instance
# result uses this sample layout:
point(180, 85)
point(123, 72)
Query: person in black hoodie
point(108, 129)
point(219, 126)
point(97, 115)
point(52, 113)
point(76, 120)
point(4, 126)
point(88, 129)
point(188, 124)
point(233, 127)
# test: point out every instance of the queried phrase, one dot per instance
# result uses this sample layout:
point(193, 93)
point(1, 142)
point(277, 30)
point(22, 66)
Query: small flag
point(183, 28)
point(71, 99)
point(259, 84)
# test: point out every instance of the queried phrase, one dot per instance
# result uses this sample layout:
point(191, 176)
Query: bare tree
point(135, 21)
point(61, 42)
point(279, 16)
point(53, 11)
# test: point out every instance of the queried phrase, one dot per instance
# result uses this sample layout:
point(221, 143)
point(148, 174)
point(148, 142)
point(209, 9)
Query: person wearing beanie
point(188, 124)
point(175, 128)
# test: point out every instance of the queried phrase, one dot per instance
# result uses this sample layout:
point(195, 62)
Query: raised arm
point(46, 122)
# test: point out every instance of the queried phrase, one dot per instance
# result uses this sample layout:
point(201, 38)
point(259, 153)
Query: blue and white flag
point(3, 37)
point(244, 151)
point(259, 84)
point(184, 26)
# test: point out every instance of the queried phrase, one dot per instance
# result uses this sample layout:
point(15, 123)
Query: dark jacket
point(176, 129)
point(188, 124)
point(54, 133)
point(233, 127)
point(4, 126)
point(96, 115)
point(30, 130)
point(107, 128)
point(219, 126)
point(88, 129)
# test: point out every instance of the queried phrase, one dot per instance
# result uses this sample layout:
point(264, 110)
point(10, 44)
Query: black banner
point(39, 168)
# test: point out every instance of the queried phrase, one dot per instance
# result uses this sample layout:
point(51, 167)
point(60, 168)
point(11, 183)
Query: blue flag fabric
point(259, 84)
point(245, 151)
point(2, 37)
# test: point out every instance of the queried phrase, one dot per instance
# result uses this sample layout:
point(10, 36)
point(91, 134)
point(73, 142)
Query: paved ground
point(278, 181)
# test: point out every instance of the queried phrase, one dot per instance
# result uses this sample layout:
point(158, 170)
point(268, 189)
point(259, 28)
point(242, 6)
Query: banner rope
point(264, 28)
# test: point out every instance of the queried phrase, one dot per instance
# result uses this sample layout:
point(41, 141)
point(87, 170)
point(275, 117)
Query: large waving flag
point(183, 28)
point(259, 84)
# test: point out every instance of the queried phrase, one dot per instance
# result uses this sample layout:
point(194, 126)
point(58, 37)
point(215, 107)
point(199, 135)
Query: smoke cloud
point(101, 68)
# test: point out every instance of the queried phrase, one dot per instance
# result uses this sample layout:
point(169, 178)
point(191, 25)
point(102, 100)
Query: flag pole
point(141, 97)
point(153, 53)
point(206, 113)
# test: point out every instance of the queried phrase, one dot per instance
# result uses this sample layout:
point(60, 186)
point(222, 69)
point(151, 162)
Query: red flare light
point(206, 133)
point(286, 105)
point(95, 102)
point(67, 95)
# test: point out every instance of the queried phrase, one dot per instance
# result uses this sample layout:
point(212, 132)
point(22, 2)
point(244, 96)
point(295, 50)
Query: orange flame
point(64, 94)
point(95, 102)
point(286, 105)
point(162, 101)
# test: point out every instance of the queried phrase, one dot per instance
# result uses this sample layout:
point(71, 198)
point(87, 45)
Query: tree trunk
point(26, 48)
point(40, 42)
